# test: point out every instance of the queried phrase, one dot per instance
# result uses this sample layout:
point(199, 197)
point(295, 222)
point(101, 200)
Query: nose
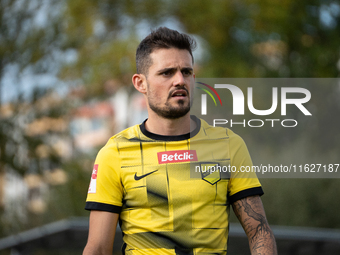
point(179, 79)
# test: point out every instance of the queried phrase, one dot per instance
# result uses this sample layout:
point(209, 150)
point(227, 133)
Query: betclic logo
point(176, 156)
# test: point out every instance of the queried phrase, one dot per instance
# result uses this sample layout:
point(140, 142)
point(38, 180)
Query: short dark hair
point(162, 38)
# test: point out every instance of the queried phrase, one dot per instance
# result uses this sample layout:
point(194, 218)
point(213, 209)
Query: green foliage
point(20, 134)
point(25, 39)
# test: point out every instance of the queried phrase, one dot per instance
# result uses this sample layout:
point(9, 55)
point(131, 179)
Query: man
point(144, 175)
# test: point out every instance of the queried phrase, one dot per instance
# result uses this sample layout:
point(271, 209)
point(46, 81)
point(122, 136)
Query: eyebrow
point(171, 69)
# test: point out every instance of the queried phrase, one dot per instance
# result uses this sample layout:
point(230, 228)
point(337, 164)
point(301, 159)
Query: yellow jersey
point(173, 193)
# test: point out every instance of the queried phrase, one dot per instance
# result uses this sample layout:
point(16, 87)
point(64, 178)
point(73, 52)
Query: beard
point(169, 111)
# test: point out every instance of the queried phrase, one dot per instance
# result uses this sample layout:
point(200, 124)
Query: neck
point(170, 127)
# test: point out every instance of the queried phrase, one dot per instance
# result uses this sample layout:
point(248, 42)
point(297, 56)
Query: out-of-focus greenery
point(92, 42)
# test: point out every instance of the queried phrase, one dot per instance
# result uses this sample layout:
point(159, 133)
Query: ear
point(139, 81)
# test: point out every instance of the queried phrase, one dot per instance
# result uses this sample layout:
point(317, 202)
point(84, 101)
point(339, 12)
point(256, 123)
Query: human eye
point(187, 72)
point(167, 72)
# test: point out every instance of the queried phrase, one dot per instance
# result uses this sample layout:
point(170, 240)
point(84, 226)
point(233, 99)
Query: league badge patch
point(93, 183)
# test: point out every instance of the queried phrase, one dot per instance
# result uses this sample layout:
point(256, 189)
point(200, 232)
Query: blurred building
point(91, 125)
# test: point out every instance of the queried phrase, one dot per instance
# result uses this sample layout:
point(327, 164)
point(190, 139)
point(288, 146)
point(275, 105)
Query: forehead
point(166, 58)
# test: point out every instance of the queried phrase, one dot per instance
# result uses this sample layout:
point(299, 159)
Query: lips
point(179, 93)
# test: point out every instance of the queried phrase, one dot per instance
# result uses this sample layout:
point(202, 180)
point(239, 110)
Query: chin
point(172, 111)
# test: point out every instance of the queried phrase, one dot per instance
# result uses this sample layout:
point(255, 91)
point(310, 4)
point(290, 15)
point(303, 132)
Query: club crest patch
point(210, 173)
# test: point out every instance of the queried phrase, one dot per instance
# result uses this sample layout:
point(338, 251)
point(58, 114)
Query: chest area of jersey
point(156, 174)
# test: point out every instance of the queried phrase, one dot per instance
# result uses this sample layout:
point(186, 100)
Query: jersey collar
point(172, 137)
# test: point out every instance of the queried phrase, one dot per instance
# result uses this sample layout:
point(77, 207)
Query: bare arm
point(251, 214)
point(101, 233)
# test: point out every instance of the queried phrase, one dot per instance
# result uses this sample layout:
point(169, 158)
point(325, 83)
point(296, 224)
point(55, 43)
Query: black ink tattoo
point(250, 212)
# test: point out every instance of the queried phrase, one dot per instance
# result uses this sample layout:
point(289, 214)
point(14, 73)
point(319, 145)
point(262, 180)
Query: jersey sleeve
point(243, 181)
point(105, 191)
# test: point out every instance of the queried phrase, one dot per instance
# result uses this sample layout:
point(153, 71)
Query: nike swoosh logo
point(137, 178)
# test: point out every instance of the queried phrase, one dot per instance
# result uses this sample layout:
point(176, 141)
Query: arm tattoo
point(255, 224)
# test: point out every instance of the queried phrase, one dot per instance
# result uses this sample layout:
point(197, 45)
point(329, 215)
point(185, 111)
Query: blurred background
point(65, 89)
